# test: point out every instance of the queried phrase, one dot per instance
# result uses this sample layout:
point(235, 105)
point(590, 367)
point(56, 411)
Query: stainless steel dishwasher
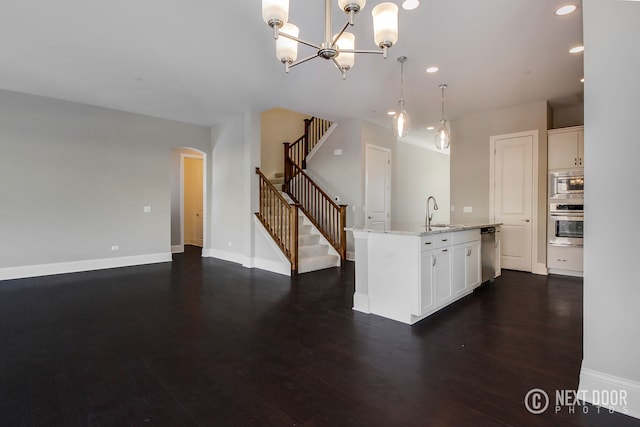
point(488, 253)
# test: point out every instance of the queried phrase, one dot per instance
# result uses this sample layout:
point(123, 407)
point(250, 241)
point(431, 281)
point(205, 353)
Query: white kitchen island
point(408, 274)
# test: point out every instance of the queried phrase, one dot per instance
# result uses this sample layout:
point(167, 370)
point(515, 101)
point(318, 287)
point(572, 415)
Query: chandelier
point(340, 47)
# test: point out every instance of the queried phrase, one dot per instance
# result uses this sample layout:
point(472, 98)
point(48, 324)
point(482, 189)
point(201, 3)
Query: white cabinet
point(566, 148)
point(442, 276)
point(466, 269)
point(566, 259)
point(425, 294)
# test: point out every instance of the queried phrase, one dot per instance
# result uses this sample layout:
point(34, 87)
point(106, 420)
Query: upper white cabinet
point(566, 148)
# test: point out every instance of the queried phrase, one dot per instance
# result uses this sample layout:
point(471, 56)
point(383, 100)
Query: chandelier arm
point(335, 39)
point(290, 37)
point(375, 52)
point(308, 58)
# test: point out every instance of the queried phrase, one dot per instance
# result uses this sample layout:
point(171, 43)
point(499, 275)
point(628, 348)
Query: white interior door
point(513, 199)
point(378, 188)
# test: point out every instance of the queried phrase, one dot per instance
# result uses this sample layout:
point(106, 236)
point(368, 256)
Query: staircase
point(291, 204)
point(314, 252)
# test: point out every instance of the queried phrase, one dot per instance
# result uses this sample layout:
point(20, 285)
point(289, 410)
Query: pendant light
point(443, 137)
point(401, 120)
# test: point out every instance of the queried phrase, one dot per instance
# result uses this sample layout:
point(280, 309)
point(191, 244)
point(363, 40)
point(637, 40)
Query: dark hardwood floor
point(202, 342)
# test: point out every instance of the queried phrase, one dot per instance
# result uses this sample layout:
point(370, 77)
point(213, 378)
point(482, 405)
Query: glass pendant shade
point(287, 49)
point(275, 10)
point(348, 4)
point(347, 41)
point(443, 137)
point(401, 121)
point(385, 24)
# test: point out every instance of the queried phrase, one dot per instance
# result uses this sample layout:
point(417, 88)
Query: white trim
point(534, 134)
point(84, 265)
point(322, 141)
point(225, 256)
point(566, 272)
point(591, 380)
point(361, 303)
point(272, 266)
point(539, 268)
point(351, 255)
point(205, 211)
point(177, 249)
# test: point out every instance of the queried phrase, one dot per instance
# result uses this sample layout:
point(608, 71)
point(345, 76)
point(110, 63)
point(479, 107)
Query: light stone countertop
point(419, 230)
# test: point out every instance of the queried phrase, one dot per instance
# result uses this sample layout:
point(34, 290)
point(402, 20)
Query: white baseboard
point(225, 256)
point(272, 266)
point(566, 272)
point(361, 303)
point(351, 256)
point(539, 268)
point(77, 266)
point(594, 385)
point(177, 249)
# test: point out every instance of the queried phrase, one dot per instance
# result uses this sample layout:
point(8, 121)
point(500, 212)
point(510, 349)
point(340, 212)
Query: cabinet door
point(473, 267)
point(563, 150)
point(425, 292)
point(442, 276)
point(458, 269)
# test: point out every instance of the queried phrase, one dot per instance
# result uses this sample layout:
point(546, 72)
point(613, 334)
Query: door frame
point(387, 221)
point(536, 268)
point(205, 211)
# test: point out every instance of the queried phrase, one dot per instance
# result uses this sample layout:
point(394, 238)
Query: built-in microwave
point(566, 184)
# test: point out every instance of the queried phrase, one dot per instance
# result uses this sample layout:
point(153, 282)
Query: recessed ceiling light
point(432, 69)
point(391, 113)
point(430, 127)
point(582, 80)
point(576, 49)
point(410, 4)
point(566, 9)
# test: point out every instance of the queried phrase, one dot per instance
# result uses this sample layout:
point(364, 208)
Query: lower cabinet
point(466, 271)
point(425, 298)
point(442, 276)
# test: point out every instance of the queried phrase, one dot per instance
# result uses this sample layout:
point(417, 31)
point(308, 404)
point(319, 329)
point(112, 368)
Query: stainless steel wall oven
point(566, 224)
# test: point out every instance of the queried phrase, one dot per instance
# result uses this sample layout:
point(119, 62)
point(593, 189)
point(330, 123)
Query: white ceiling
point(197, 61)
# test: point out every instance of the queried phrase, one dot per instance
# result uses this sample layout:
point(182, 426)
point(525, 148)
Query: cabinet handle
point(468, 251)
point(444, 240)
point(427, 243)
point(575, 161)
point(433, 263)
point(445, 250)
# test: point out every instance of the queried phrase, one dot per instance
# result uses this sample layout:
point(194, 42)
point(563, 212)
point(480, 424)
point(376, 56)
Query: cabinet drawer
point(465, 236)
point(564, 258)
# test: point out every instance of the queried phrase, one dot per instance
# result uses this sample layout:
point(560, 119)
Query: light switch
point(468, 209)
point(337, 152)
point(147, 209)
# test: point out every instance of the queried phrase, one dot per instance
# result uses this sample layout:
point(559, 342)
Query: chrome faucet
point(430, 216)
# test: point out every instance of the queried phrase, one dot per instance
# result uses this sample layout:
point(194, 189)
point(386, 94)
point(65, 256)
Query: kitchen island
point(408, 274)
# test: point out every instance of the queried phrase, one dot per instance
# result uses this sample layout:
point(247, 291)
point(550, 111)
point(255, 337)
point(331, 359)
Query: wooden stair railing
point(328, 217)
point(279, 218)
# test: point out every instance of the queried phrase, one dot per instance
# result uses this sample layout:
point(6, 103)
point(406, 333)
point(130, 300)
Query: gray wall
point(470, 161)
point(74, 180)
point(612, 150)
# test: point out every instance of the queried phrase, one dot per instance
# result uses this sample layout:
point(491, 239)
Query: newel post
point(343, 232)
point(287, 167)
point(307, 124)
point(293, 235)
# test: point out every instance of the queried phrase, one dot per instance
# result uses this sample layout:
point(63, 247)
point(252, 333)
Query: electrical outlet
point(468, 209)
point(147, 209)
point(115, 248)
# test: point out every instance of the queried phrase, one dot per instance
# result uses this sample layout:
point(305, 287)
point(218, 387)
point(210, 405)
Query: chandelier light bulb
point(385, 24)
point(275, 13)
point(401, 121)
point(287, 49)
